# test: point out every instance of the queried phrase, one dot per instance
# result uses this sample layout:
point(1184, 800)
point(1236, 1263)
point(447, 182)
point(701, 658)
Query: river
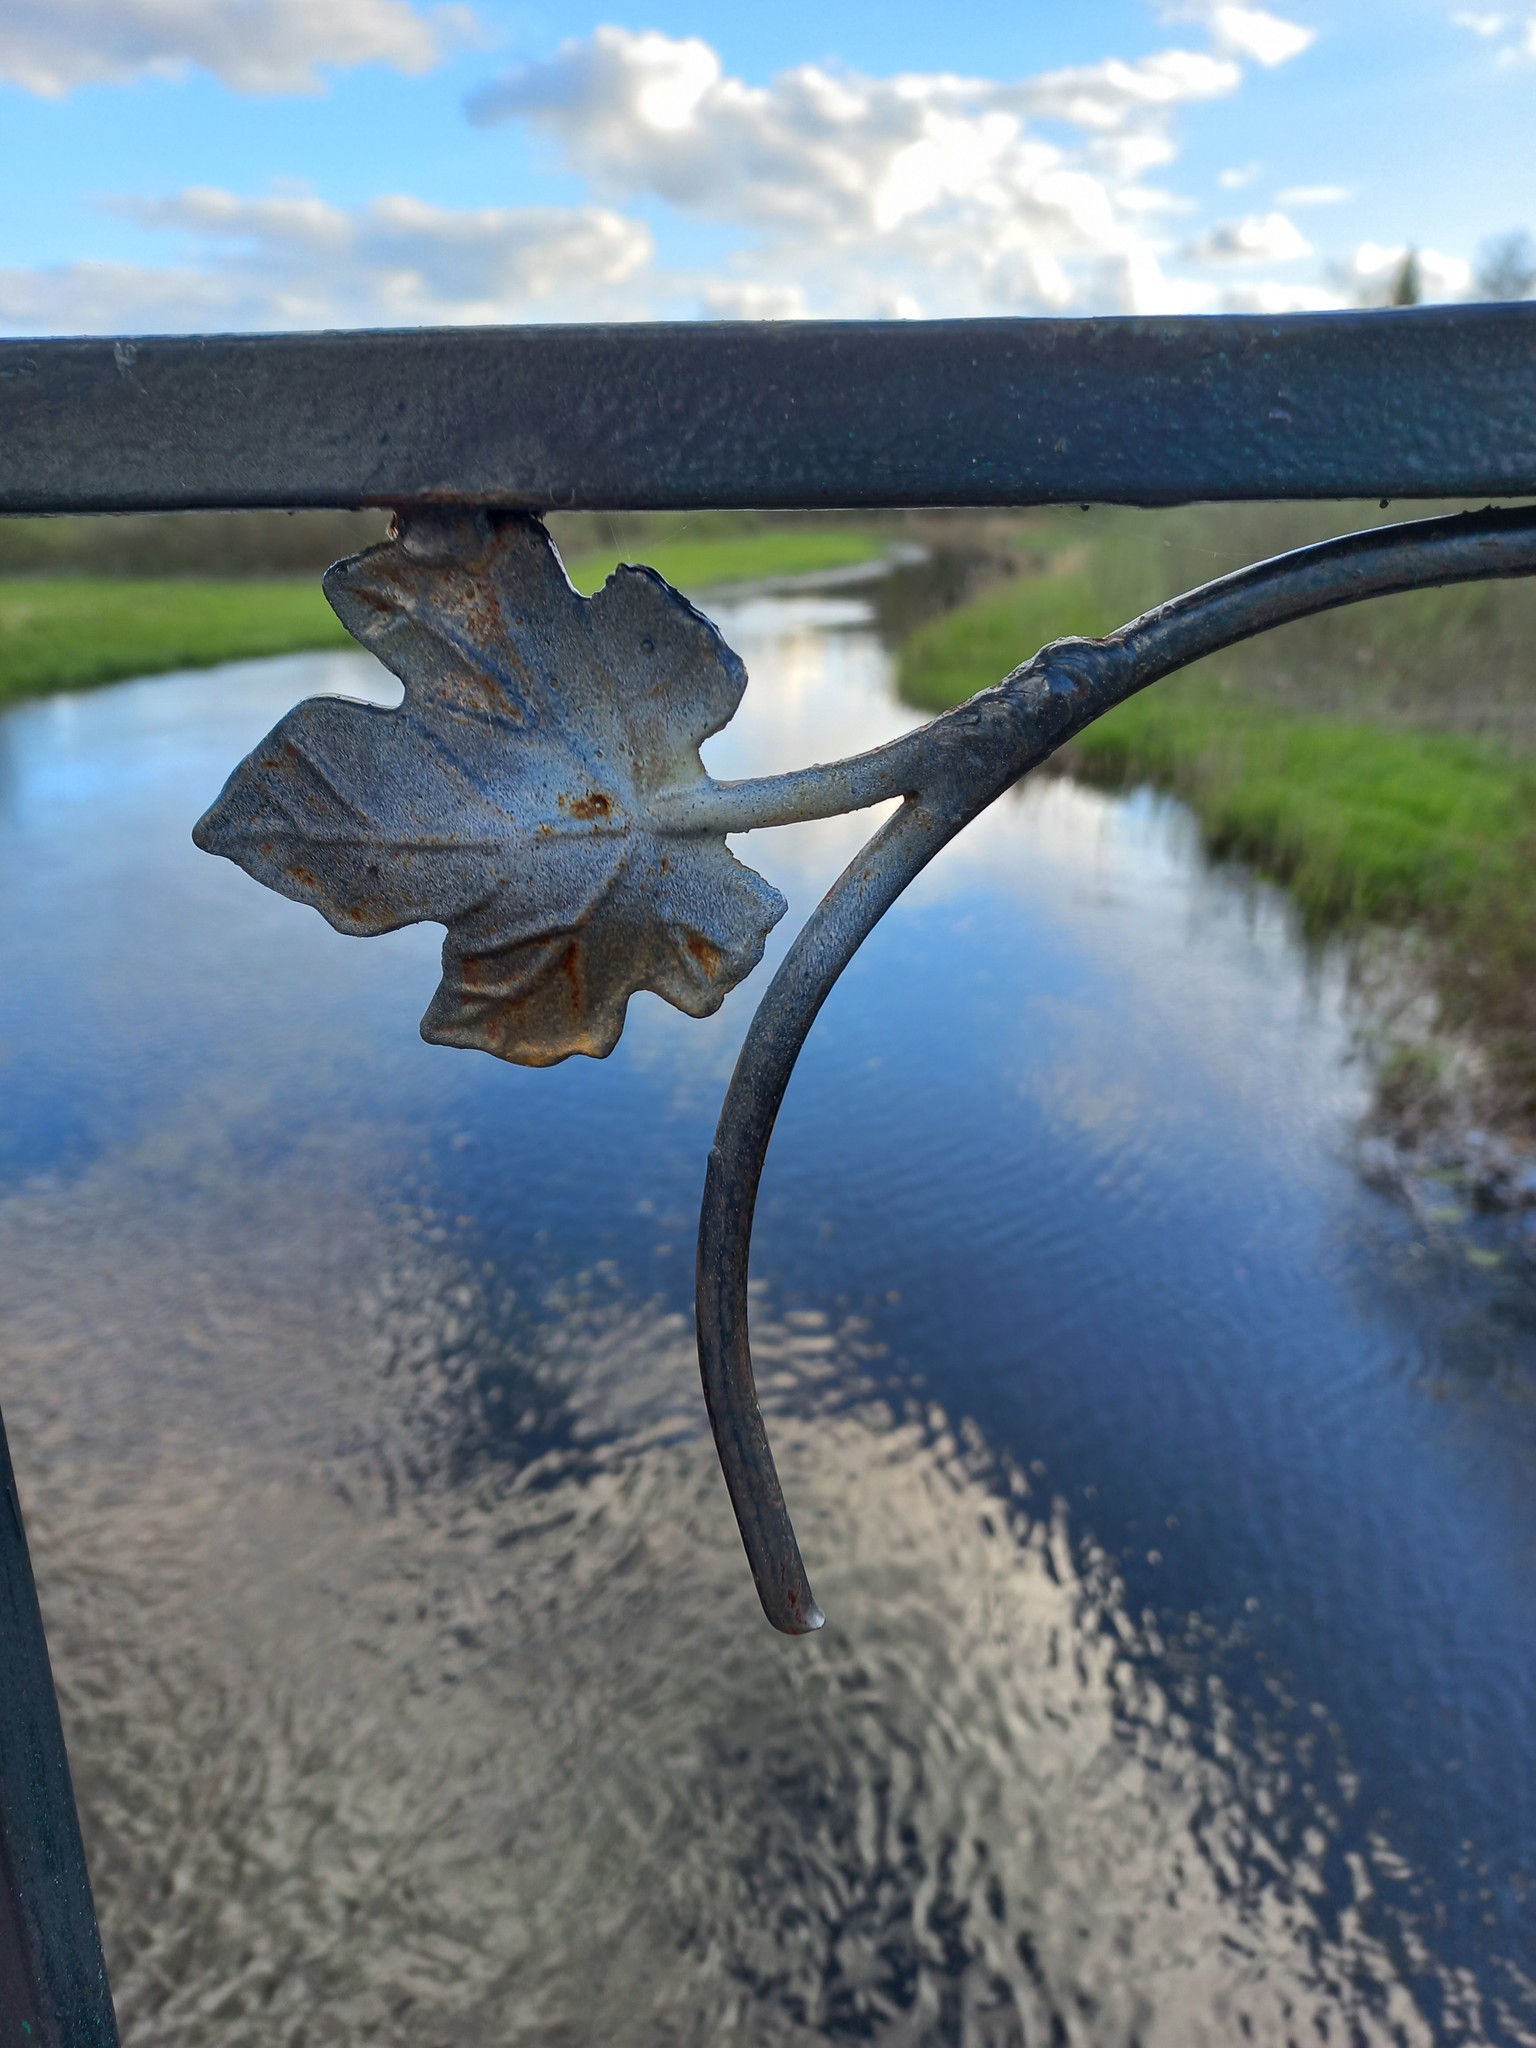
point(1169, 1491)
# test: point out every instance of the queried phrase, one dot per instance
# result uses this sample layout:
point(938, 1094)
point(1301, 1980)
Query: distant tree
point(1407, 284)
point(1507, 268)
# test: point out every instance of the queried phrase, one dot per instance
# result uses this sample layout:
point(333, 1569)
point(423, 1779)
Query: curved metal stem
point(1466, 548)
point(950, 771)
point(822, 791)
point(903, 846)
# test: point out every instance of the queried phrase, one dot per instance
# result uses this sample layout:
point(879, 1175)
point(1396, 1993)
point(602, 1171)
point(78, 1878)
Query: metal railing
point(539, 791)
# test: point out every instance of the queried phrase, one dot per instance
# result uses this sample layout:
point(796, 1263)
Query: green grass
point(1381, 760)
point(1327, 756)
point(1365, 825)
point(695, 565)
point(69, 633)
point(1290, 761)
point(1360, 821)
point(963, 651)
point(1458, 659)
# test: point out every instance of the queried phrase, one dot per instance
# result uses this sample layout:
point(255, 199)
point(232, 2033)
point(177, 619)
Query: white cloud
point(1248, 32)
point(907, 196)
point(1239, 176)
point(1376, 265)
point(1269, 296)
point(1261, 238)
point(1314, 195)
point(1515, 33)
point(920, 192)
point(645, 111)
point(114, 298)
point(291, 261)
point(724, 300)
point(257, 46)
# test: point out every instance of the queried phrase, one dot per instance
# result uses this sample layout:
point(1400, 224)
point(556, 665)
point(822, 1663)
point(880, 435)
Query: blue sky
point(176, 164)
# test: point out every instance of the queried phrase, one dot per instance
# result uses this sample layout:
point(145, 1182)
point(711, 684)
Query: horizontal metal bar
point(1427, 402)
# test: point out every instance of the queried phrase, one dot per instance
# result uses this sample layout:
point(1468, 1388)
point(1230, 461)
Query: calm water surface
point(1169, 1492)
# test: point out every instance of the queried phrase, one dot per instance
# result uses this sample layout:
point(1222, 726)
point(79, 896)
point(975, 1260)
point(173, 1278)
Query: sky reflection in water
point(1169, 1493)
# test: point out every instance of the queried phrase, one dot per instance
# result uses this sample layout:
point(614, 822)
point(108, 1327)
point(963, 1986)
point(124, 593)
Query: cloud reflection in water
point(417, 1690)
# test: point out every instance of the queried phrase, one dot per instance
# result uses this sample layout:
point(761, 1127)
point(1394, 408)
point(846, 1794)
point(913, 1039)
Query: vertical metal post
point(53, 1979)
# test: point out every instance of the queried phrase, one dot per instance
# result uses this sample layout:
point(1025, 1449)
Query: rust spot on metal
point(436, 811)
point(482, 612)
point(570, 967)
point(581, 910)
point(595, 806)
point(495, 696)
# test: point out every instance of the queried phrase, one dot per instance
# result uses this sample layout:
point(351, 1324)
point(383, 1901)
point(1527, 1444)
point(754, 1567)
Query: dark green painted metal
point(1420, 403)
point(1424, 403)
point(948, 772)
point(53, 1981)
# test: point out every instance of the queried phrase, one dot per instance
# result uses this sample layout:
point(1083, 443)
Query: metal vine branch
point(540, 793)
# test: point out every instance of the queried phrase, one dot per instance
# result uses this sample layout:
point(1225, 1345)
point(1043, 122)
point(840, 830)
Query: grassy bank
point(696, 564)
point(1380, 760)
point(1370, 758)
point(71, 632)
point(1360, 821)
point(68, 633)
point(1458, 660)
point(1377, 761)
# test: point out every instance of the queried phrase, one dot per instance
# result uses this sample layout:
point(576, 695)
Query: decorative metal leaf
point(541, 791)
point(510, 794)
